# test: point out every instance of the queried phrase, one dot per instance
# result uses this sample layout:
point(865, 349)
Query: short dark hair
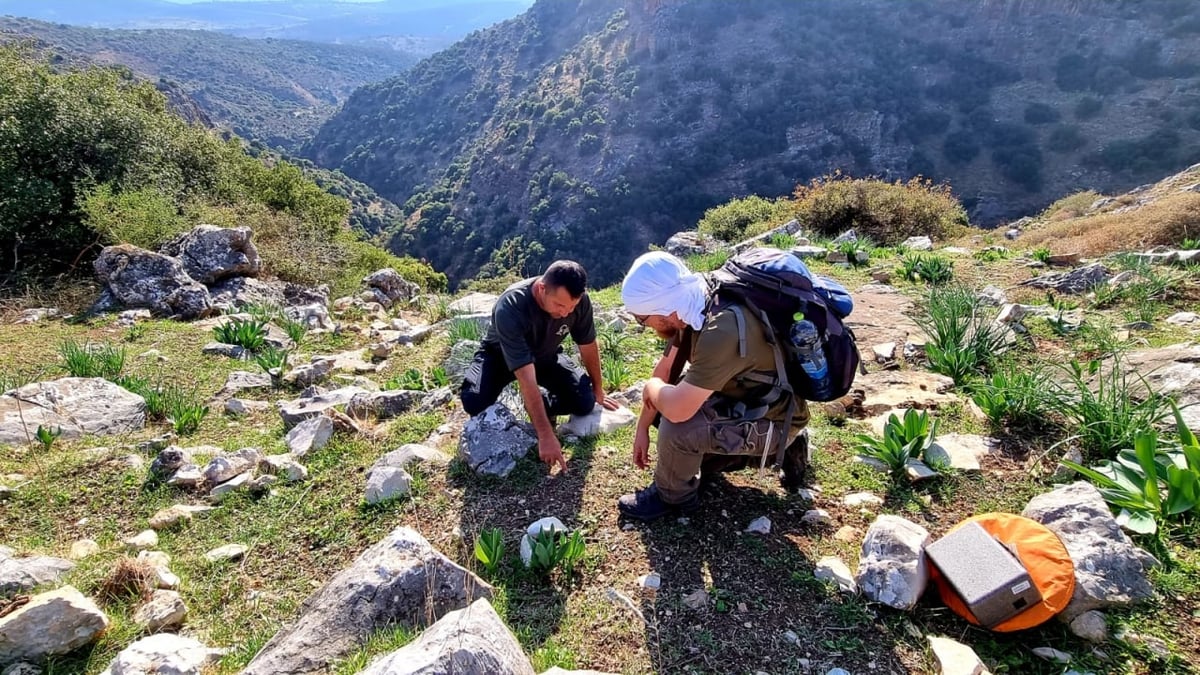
point(566, 274)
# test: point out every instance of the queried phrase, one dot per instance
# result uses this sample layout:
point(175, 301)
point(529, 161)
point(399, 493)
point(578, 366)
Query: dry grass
point(1165, 222)
point(129, 579)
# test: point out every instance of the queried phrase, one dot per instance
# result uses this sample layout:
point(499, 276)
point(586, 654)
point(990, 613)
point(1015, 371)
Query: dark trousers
point(568, 387)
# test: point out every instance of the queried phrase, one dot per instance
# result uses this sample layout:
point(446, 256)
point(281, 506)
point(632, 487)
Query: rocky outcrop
point(493, 441)
point(389, 288)
point(210, 254)
point(400, 580)
point(52, 623)
point(76, 405)
point(136, 278)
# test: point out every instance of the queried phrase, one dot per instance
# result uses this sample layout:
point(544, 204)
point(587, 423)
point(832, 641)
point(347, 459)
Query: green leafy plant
point(266, 312)
point(903, 439)
point(411, 380)
point(925, 267)
point(249, 334)
point(1104, 405)
point(489, 549)
point(87, 360)
point(185, 410)
point(781, 240)
point(438, 377)
point(1189, 244)
point(271, 358)
point(135, 332)
point(857, 251)
point(1149, 485)
point(992, 254)
point(47, 435)
point(571, 551)
point(552, 549)
point(1013, 395)
point(615, 371)
point(964, 337)
point(295, 330)
point(464, 329)
point(1041, 254)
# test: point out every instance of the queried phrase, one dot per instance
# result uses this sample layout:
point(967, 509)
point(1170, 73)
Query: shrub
point(146, 217)
point(551, 549)
point(888, 213)
point(706, 262)
point(963, 337)
point(1041, 254)
point(1040, 113)
point(741, 218)
point(1071, 206)
point(270, 359)
point(185, 410)
point(1065, 138)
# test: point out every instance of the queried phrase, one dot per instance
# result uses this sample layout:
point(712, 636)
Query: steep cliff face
point(596, 127)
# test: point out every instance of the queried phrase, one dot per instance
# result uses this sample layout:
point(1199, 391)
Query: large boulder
point(1076, 281)
point(211, 253)
point(470, 641)
point(76, 405)
point(52, 623)
point(892, 568)
point(1109, 570)
point(140, 279)
point(390, 287)
point(493, 441)
point(22, 574)
point(400, 580)
point(163, 654)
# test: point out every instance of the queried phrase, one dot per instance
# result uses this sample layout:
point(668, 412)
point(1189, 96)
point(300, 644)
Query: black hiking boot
point(795, 463)
point(645, 505)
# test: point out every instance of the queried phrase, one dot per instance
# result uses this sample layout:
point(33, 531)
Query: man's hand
point(550, 452)
point(603, 399)
point(641, 448)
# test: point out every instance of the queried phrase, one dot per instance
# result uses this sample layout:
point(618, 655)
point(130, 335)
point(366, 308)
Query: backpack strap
point(741, 326)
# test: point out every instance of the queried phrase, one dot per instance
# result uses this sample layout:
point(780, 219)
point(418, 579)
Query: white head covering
point(659, 283)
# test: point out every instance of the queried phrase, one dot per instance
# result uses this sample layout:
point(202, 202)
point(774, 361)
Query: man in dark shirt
point(524, 343)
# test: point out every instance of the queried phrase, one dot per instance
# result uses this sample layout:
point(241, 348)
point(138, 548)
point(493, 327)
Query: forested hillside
point(275, 91)
point(591, 128)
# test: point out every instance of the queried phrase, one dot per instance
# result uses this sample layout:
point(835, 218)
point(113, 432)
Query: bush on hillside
point(888, 213)
point(1071, 206)
point(1164, 222)
point(1065, 138)
point(93, 157)
point(742, 218)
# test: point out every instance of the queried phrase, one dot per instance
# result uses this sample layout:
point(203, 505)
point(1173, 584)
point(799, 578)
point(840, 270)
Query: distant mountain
point(429, 24)
point(274, 91)
point(592, 128)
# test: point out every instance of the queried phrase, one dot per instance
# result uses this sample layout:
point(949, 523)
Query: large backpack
point(774, 285)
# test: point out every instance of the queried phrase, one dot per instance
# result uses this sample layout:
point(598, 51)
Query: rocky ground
point(254, 542)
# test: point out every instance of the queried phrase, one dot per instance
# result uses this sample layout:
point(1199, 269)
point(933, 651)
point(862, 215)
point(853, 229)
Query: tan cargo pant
point(683, 446)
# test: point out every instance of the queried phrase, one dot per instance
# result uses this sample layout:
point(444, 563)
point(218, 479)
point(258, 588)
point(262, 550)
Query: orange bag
point(1043, 555)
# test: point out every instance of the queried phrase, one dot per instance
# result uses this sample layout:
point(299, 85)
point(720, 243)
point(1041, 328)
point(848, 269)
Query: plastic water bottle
point(807, 340)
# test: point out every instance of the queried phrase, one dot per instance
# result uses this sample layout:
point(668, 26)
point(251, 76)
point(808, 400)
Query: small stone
point(229, 552)
point(885, 352)
point(696, 600)
point(1090, 626)
point(837, 671)
point(230, 486)
point(862, 499)
point(175, 515)
point(817, 517)
point(791, 638)
point(1182, 318)
point(1052, 654)
point(760, 525)
point(650, 581)
point(83, 548)
point(833, 569)
point(847, 534)
point(918, 470)
point(955, 658)
point(142, 541)
point(164, 610)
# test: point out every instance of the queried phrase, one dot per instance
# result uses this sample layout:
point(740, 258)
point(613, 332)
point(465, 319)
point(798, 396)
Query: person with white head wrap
point(715, 415)
point(660, 284)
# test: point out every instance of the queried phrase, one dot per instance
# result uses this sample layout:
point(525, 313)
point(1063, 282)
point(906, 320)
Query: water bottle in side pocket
point(807, 340)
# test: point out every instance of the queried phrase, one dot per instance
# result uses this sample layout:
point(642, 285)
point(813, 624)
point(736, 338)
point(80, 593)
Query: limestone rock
point(210, 253)
point(76, 405)
point(474, 303)
point(310, 373)
point(399, 580)
point(295, 412)
point(51, 623)
point(136, 278)
point(1109, 570)
point(1076, 281)
point(688, 242)
point(391, 286)
point(163, 654)
point(955, 658)
point(226, 553)
point(311, 434)
point(918, 244)
point(285, 466)
point(141, 541)
point(600, 421)
point(831, 568)
point(225, 468)
point(18, 575)
point(384, 404)
point(493, 441)
point(892, 568)
point(386, 483)
point(173, 516)
point(549, 524)
point(470, 641)
point(960, 451)
point(83, 548)
point(163, 611)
